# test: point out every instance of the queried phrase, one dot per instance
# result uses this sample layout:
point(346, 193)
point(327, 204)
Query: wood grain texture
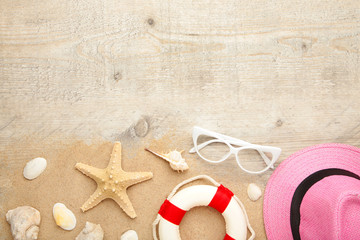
point(283, 73)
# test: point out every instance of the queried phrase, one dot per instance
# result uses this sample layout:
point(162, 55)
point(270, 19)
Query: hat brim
point(291, 172)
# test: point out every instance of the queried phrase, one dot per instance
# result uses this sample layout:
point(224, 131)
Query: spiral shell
point(91, 231)
point(177, 162)
point(24, 221)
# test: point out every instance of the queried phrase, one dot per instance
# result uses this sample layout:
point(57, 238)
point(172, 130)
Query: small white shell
point(64, 217)
point(129, 235)
point(177, 162)
point(254, 192)
point(34, 168)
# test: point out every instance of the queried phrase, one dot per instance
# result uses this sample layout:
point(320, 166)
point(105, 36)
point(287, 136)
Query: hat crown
point(330, 209)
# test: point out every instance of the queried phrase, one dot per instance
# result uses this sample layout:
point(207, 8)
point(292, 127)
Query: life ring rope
point(182, 212)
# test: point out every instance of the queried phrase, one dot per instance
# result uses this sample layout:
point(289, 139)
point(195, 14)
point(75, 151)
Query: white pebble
point(129, 235)
point(34, 168)
point(254, 192)
point(64, 217)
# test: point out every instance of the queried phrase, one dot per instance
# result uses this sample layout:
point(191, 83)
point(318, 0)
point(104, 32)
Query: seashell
point(174, 158)
point(129, 235)
point(91, 231)
point(24, 222)
point(254, 192)
point(64, 217)
point(34, 168)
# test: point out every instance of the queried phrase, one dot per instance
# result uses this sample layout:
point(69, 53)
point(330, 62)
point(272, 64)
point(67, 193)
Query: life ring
point(219, 197)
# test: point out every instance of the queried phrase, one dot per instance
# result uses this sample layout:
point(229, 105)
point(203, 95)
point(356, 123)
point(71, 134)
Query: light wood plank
point(282, 73)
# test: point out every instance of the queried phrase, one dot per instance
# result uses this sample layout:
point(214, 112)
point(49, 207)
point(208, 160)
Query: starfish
point(112, 182)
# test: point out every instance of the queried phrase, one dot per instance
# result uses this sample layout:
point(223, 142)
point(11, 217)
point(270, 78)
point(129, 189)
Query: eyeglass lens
point(251, 160)
point(212, 149)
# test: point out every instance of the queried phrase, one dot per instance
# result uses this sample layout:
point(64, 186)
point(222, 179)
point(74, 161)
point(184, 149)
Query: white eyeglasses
point(215, 148)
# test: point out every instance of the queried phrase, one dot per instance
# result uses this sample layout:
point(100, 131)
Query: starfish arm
point(123, 201)
point(137, 177)
point(115, 159)
point(89, 171)
point(94, 200)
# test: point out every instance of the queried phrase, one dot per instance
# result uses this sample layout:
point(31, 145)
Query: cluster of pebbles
point(25, 220)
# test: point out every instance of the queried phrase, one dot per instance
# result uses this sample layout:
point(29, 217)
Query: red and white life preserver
point(222, 199)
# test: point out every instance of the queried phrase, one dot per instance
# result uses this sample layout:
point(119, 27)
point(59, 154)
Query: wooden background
point(275, 72)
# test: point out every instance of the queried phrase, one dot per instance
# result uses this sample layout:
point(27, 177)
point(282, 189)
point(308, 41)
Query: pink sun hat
point(315, 194)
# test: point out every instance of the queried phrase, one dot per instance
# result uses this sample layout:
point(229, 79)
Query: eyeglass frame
point(229, 141)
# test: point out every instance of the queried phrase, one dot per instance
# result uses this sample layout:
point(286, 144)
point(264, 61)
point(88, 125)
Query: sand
point(60, 182)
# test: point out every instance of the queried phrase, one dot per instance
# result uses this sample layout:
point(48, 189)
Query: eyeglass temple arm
point(235, 142)
point(202, 145)
point(266, 159)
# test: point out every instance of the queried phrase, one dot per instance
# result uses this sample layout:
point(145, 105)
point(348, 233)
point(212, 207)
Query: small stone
point(129, 235)
point(34, 168)
point(254, 192)
point(64, 217)
point(141, 128)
